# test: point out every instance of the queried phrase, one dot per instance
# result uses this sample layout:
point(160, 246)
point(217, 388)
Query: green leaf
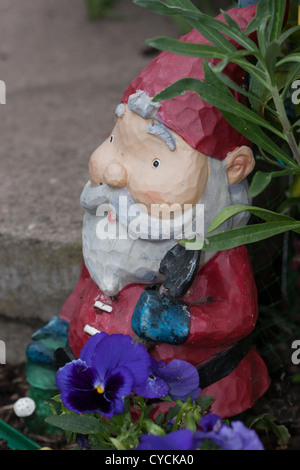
point(186, 4)
point(293, 74)
point(211, 95)
point(284, 36)
point(233, 30)
point(256, 89)
point(172, 413)
point(79, 424)
point(263, 14)
point(232, 57)
point(256, 135)
point(295, 379)
point(279, 7)
point(211, 29)
point(254, 96)
point(205, 24)
point(290, 202)
point(160, 419)
point(246, 235)
point(155, 6)
point(262, 179)
point(249, 130)
point(205, 402)
point(267, 422)
point(231, 211)
point(198, 50)
point(153, 428)
point(272, 52)
point(295, 57)
point(57, 398)
point(117, 444)
point(186, 48)
point(97, 8)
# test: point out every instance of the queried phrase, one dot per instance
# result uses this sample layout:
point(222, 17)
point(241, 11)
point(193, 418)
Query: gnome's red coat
point(223, 306)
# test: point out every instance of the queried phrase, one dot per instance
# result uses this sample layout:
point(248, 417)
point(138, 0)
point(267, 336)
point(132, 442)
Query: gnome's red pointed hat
point(201, 125)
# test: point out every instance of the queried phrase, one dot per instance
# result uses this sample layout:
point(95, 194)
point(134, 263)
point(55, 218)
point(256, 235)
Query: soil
point(282, 400)
point(14, 386)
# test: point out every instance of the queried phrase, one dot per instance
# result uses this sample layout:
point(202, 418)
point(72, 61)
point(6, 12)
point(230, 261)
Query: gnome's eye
point(156, 163)
point(112, 138)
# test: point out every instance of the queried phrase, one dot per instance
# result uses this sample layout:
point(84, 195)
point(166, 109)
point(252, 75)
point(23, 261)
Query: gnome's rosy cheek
point(174, 178)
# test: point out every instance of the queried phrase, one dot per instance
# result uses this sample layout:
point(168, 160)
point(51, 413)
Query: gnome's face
point(153, 173)
point(153, 167)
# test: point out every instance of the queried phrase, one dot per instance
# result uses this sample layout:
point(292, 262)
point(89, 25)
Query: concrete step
point(64, 77)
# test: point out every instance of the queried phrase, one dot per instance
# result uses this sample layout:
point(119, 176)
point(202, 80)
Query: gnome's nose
point(115, 175)
point(103, 170)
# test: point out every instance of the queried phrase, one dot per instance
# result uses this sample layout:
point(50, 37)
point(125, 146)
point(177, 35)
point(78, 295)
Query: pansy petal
point(86, 402)
point(76, 381)
point(118, 384)
point(118, 406)
point(177, 440)
point(234, 437)
point(154, 387)
point(250, 439)
point(182, 378)
point(119, 350)
point(211, 422)
point(75, 375)
point(88, 350)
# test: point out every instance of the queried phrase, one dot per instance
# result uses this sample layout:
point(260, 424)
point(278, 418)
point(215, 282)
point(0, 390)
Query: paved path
point(64, 76)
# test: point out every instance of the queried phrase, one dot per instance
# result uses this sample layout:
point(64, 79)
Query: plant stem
point(285, 123)
point(183, 409)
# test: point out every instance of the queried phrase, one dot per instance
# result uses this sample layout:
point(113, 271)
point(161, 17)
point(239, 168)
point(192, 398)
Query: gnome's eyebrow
point(162, 132)
point(141, 104)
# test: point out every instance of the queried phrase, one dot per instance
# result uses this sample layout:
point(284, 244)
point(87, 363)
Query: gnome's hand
point(158, 318)
point(179, 267)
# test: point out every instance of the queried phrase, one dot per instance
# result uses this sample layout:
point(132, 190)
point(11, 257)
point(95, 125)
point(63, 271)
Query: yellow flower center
point(100, 389)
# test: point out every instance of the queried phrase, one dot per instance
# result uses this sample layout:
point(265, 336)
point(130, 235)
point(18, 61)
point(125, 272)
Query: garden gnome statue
point(187, 304)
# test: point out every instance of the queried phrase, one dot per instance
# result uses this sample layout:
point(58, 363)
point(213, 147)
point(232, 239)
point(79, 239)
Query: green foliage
point(98, 8)
point(267, 423)
point(273, 66)
point(121, 432)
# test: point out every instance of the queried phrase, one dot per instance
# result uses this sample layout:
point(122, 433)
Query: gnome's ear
point(240, 162)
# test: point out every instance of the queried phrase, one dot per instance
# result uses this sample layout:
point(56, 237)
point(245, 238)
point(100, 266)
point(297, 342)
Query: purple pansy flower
point(109, 368)
point(177, 440)
point(179, 379)
point(234, 437)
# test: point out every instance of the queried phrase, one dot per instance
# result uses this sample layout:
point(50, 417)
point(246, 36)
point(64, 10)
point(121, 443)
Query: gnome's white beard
point(114, 263)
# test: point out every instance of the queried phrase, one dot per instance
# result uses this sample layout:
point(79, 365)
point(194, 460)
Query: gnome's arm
point(220, 309)
point(159, 314)
point(227, 310)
